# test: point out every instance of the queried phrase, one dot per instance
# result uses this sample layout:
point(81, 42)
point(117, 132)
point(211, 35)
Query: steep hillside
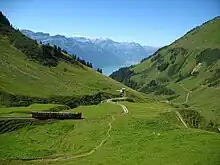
point(41, 73)
point(101, 52)
point(185, 72)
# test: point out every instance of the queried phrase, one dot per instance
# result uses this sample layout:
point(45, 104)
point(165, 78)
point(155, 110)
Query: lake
point(108, 70)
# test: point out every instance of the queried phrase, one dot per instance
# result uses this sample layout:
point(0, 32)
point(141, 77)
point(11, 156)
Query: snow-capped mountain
point(102, 52)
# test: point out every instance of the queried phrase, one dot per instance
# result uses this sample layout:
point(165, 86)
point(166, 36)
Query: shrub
point(214, 80)
point(173, 58)
point(193, 118)
point(162, 90)
point(174, 69)
point(209, 56)
point(158, 58)
point(162, 66)
point(153, 86)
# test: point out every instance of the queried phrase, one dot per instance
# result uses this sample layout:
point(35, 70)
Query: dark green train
point(56, 115)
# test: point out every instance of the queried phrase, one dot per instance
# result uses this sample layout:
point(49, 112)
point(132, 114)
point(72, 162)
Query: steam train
point(56, 115)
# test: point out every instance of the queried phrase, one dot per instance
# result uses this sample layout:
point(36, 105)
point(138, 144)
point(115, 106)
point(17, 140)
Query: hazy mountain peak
point(102, 52)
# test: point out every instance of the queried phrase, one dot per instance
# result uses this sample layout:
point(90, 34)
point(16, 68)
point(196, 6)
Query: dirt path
point(121, 105)
point(108, 135)
point(187, 96)
point(186, 101)
point(181, 119)
point(97, 147)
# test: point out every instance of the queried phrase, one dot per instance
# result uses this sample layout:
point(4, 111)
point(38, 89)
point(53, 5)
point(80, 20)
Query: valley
point(164, 110)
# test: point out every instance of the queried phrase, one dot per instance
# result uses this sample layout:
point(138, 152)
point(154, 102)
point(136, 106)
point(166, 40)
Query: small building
point(122, 91)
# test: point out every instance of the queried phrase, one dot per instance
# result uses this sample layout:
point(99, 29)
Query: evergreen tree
point(83, 62)
point(55, 48)
point(64, 51)
point(99, 70)
point(59, 49)
point(91, 65)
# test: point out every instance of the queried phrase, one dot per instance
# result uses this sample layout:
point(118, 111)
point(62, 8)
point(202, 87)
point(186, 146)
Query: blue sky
point(149, 22)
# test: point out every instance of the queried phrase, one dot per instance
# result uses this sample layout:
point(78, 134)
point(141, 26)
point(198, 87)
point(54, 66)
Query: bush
point(214, 80)
point(173, 58)
point(193, 118)
point(65, 69)
point(130, 83)
point(153, 86)
point(158, 58)
point(209, 56)
point(162, 90)
point(162, 66)
point(173, 69)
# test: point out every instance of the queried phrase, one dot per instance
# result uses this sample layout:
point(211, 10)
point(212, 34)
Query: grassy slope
point(203, 99)
point(149, 134)
point(21, 76)
point(204, 36)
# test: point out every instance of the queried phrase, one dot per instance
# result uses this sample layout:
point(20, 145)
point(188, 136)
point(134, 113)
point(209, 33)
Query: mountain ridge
point(102, 52)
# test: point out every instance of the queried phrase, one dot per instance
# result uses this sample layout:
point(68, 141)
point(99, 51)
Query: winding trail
point(187, 96)
point(98, 146)
point(186, 101)
point(121, 105)
point(108, 135)
point(179, 116)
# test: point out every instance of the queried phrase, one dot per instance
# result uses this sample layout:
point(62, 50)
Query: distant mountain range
point(101, 52)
